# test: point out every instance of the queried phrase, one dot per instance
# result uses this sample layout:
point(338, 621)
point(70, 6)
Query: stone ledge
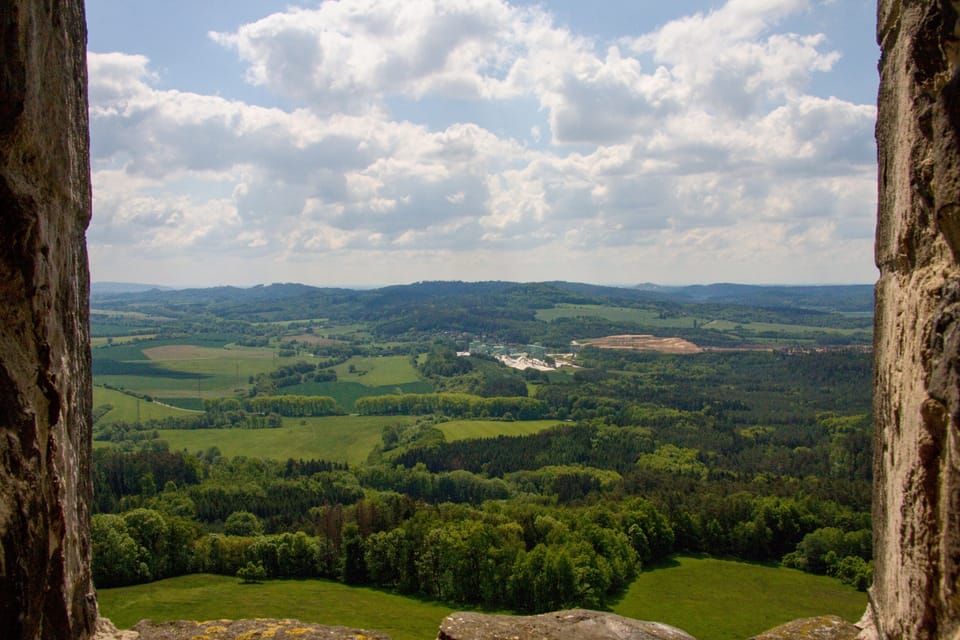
point(250, 629)
point(574, 624)
point(817, 628)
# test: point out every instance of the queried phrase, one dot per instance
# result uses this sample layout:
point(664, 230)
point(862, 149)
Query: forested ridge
point(758, 454)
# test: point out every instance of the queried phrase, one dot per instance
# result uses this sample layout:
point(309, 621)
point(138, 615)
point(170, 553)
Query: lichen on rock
point(816, 628)
point(253, 629)
point(573, 624)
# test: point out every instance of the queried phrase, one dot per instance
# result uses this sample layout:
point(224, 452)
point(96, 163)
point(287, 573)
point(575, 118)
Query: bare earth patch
point(643, 342)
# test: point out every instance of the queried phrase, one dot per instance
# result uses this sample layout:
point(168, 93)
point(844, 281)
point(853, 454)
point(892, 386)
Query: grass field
point(125, 408)
point(710, 599)
point(724, 600)
point(377, 372)
point(207, 597)
point(471, 429)
point(337, 438)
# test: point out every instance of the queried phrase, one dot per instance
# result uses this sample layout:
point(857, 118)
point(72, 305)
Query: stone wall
point(917, 340)
point(45, 392)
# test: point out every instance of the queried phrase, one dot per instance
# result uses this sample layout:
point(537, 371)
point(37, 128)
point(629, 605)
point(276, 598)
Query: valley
point(291, 432)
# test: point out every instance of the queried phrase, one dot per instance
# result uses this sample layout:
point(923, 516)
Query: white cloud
point(346, 56)
point(694, 145)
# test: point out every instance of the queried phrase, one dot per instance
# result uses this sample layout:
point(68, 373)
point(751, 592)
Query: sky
point(372, 142)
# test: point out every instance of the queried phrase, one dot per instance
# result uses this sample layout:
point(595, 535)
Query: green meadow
point(336, 438)
point(377, 371)
point(359, 377)
point(473, 429)
point(129, 409)
point(208, 597)
point(724, 600)
point(710, 599)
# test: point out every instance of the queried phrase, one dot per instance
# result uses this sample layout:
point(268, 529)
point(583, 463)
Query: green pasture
point(337, 438)
point(710, 599)
point(377, 371)
point(473, 429)
point(126, 409)
point(725, 600)
point(209, 597)
point(347, 393)
point(359, 377)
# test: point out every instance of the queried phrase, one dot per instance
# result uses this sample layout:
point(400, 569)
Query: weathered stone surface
point(818, 628)
point(256, 629)
point(575, 624)
point(106, 630)
point(45, 392)
point(917, 338)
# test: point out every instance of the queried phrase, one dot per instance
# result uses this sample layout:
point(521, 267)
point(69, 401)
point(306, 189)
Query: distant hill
point(840, 298)
point(99, 288)
point(458, 306)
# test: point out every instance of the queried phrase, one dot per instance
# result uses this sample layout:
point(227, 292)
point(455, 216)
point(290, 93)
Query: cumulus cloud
point(699, 139)
point(347, 56)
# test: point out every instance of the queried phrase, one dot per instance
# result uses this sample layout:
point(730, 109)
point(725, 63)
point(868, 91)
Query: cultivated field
point(472, 429)
point(167, 369)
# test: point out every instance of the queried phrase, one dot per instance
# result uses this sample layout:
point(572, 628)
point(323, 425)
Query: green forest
point(594, 467)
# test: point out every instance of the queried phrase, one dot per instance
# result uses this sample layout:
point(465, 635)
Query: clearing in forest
point(347, 439)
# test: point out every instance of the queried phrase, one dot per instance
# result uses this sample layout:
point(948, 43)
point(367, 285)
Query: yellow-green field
point(472, 429)
point(336, 438)
point(377, 371)
point(129, 409)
